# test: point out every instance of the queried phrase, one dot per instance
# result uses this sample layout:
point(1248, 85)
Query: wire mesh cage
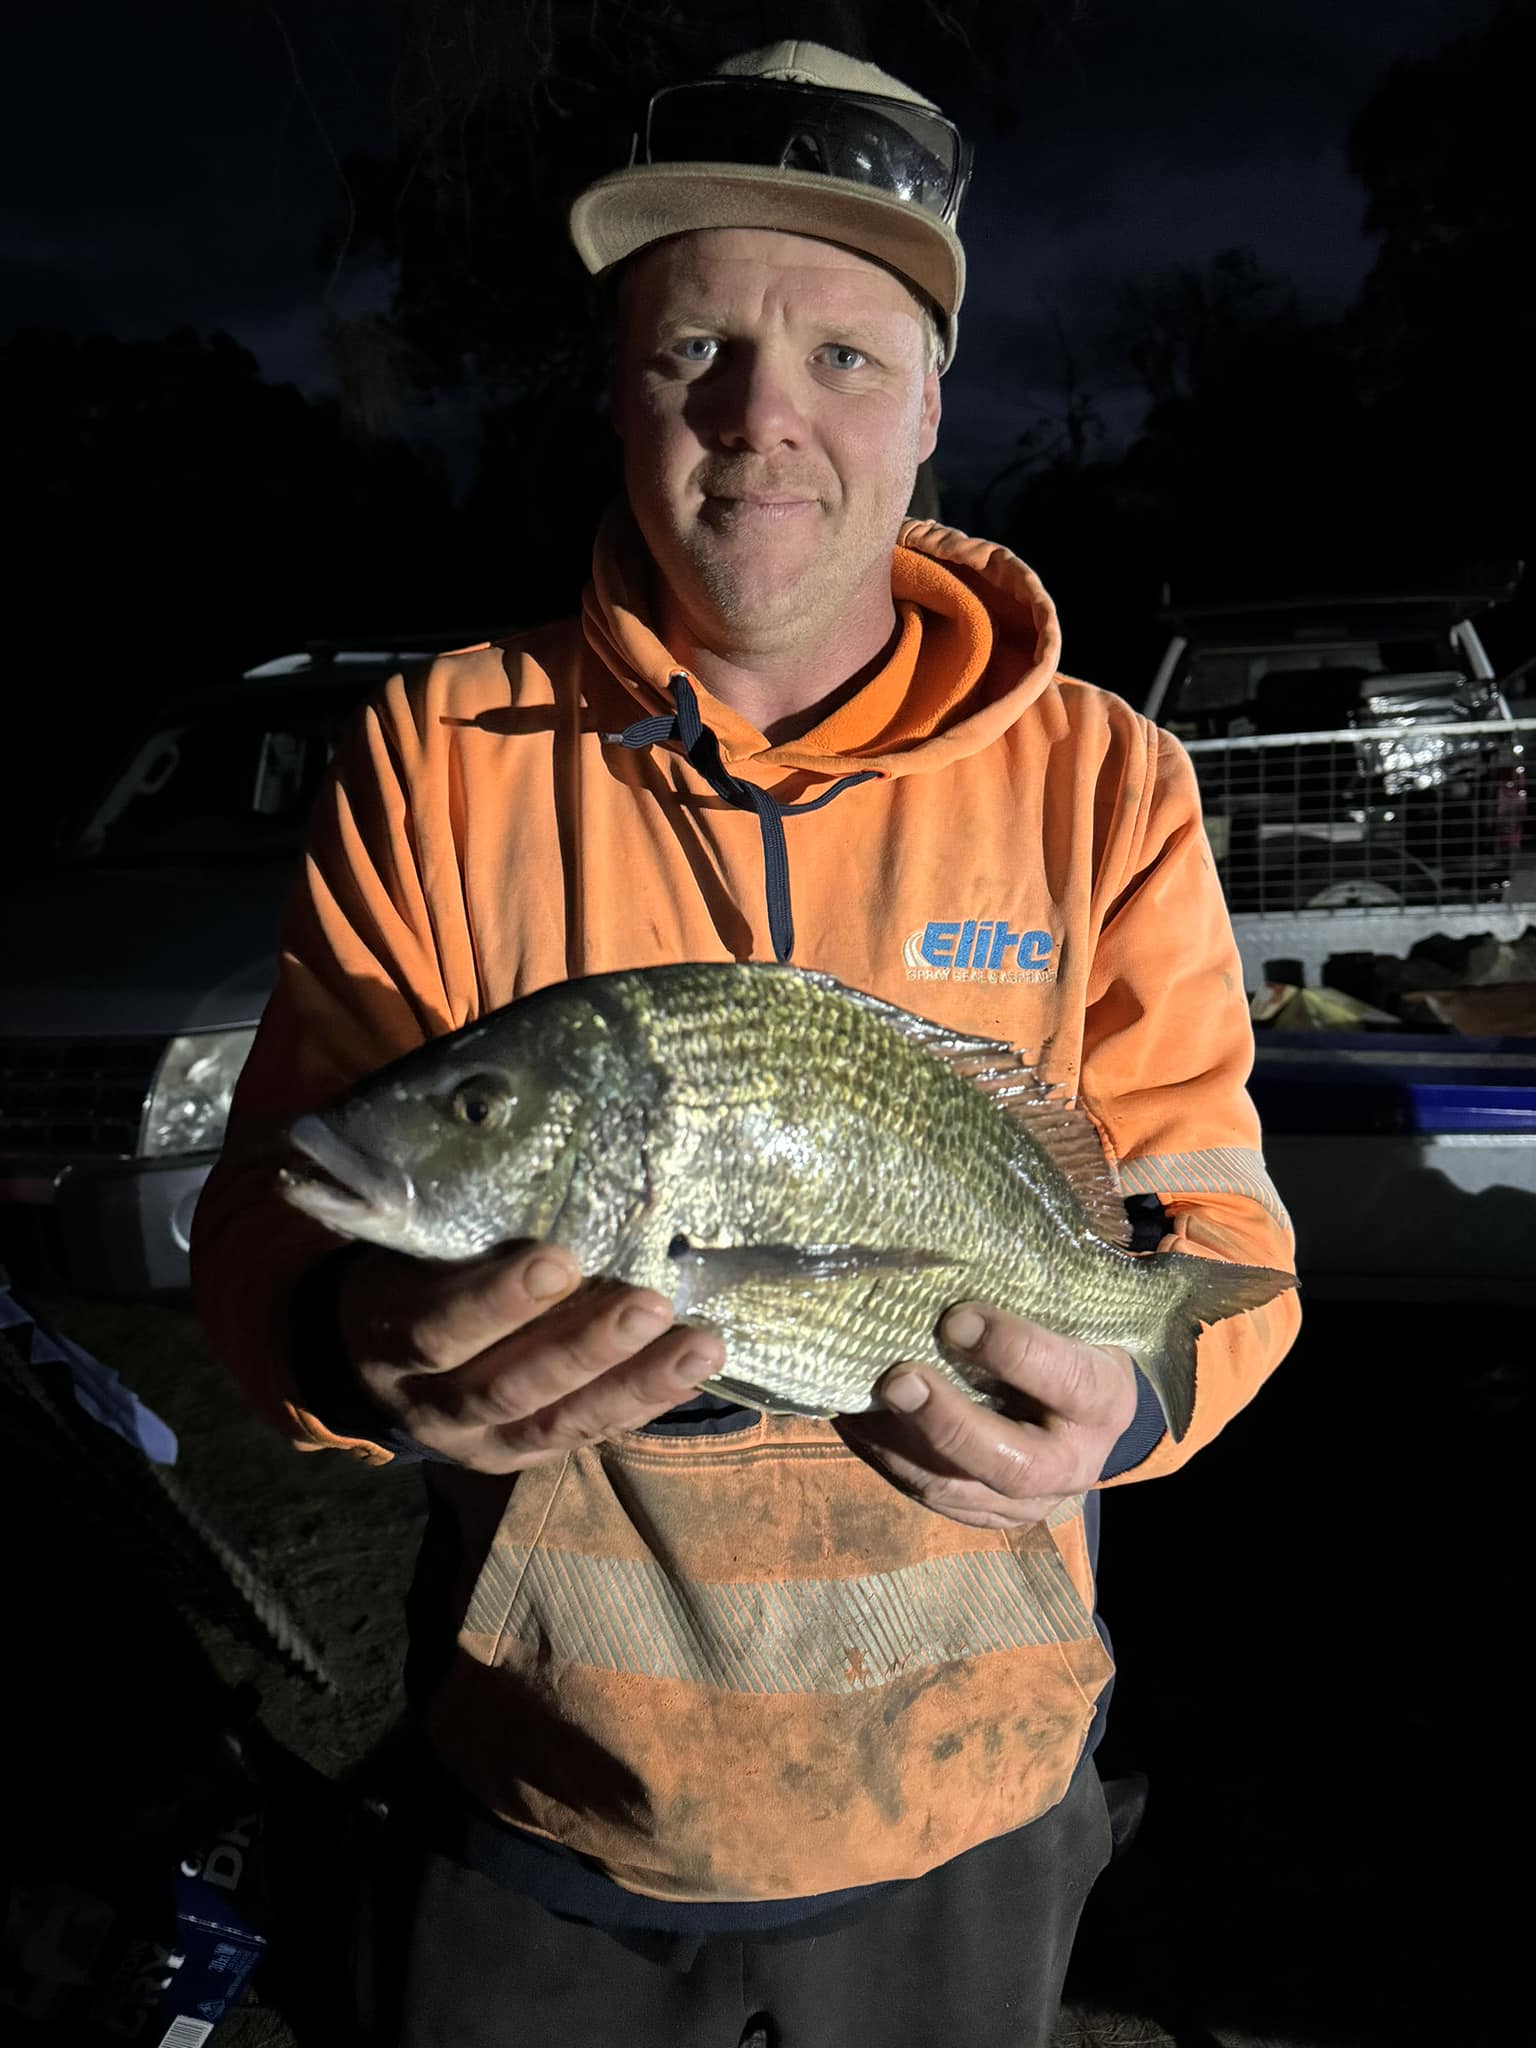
point(1409, 813)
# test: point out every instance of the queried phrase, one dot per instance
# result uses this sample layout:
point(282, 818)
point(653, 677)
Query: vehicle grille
point(75, 1094)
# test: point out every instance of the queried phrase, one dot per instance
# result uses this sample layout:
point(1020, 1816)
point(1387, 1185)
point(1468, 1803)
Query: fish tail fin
point(1209, 1291)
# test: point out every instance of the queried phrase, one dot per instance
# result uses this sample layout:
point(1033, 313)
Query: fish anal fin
point(749, 1396)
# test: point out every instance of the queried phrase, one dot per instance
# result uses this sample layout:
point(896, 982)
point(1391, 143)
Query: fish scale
point(804, 1168)
point(899, 1158)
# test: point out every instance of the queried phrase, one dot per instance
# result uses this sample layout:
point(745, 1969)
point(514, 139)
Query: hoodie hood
point(978, 642)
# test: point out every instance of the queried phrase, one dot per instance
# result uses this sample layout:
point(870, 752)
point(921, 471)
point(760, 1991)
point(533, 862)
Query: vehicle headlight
point(188, 1103)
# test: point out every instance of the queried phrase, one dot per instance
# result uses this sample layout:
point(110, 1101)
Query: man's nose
point(756, 407)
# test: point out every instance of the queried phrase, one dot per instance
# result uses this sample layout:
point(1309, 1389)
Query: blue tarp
point(96, 1388)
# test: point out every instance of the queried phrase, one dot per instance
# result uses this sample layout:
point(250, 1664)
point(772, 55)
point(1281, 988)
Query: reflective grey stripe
point(785, 1635)
point(1220, 1170)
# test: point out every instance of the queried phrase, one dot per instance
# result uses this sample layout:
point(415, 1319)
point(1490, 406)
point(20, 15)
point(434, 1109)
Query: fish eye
point(482, 1102)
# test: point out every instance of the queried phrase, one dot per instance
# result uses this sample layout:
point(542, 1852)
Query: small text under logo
point(978, 949)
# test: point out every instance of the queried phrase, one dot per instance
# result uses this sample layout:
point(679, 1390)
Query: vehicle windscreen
point(230, 783)
point(1228, 692)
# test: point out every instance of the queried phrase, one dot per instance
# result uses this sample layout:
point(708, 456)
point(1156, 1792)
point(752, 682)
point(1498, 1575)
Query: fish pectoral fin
point(705, 1271)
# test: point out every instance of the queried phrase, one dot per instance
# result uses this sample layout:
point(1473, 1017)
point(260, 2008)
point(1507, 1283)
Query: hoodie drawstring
point(702, 748)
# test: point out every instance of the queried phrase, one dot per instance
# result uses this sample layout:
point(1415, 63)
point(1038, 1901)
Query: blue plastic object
point(96, 1387)
point(1308, 1082)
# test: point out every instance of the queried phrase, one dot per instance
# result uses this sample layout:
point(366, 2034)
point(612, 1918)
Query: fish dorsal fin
point(938, 1039)
point(1066, 1134)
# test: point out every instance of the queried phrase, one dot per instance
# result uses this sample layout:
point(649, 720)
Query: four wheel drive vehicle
point(1350, 750)
point(138, 962)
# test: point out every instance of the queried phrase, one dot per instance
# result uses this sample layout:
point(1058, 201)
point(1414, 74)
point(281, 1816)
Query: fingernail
point(906, 1392)
point(694, 1369)
point(639, 1323)
point(546, 1277)
point(963, 1328)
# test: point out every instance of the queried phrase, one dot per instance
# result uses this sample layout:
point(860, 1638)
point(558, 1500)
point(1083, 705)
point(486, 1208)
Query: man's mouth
point(758, 507)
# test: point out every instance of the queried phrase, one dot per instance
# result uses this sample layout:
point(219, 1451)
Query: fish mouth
point(359, 1191)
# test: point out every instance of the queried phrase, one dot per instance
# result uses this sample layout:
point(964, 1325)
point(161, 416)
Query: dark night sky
point(166, 169)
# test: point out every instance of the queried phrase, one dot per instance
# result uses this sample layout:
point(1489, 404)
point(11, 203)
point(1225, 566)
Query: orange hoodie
point(1026, 862)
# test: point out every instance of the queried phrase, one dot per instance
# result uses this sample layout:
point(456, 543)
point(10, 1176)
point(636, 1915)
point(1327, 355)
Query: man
point(753, 1722)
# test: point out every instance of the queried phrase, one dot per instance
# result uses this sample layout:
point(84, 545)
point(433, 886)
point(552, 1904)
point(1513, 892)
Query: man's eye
point(842, 357)
point(697, 348)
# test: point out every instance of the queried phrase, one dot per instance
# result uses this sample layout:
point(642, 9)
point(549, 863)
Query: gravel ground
point(1313, 1627)
point(335, 1539)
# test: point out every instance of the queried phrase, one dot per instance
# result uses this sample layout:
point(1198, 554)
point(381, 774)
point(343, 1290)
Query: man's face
point(774, 402)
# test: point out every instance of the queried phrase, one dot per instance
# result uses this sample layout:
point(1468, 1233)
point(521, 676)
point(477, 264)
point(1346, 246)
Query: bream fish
point(813, 1173)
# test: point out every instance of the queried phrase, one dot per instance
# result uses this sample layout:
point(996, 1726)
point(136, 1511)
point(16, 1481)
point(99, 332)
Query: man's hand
point(976, 1466)
point(496, 1365)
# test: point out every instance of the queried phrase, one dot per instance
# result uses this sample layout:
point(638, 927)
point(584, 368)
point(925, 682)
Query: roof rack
point(1474, 594)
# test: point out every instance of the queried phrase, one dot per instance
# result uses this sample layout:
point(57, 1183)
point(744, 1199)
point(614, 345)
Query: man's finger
point(938, 1485)
point(950, 1434)
point(539, 1365)
point(453, 1313)
point(494, 1428)
point(1067, 1378)
point(629, 1396)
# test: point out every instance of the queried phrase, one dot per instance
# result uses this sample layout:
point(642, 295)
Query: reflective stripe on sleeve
point(1218, 1170)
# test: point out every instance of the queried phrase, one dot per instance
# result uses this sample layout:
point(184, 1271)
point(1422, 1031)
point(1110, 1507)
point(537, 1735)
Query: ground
point(1314, 1629)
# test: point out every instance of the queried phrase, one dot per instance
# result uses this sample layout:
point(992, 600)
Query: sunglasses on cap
point(892, 146)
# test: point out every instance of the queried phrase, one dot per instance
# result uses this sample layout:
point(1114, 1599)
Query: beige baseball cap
point(900, 208)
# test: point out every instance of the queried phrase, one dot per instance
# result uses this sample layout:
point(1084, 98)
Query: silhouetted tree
point(500, 116)
point(195, 491)
point(172, 517)
point(1445, 330)
point(1393, 446)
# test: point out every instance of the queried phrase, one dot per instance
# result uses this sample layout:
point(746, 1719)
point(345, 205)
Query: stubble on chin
point(751, 595)
point(748, 597)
